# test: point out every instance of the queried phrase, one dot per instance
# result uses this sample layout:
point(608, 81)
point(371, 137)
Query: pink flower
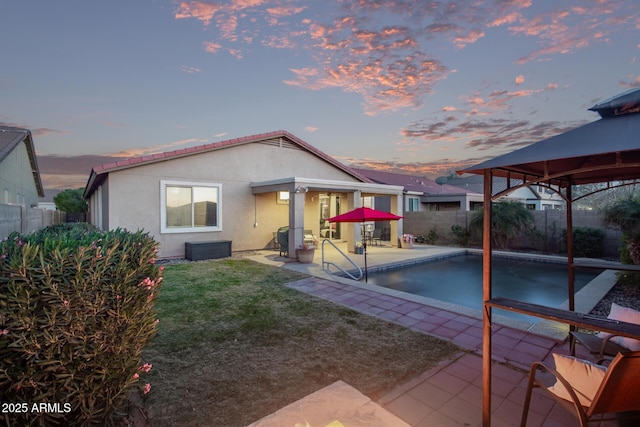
point(147, 388)
point(147, 283)
point(4, 332)
point(146, 367)
point(136, 376)
point(118, 296)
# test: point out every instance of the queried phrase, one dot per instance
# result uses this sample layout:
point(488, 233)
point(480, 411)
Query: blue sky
point(426, 87)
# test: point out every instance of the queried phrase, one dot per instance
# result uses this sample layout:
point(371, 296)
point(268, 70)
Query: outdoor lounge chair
point(591, 392)
point(283, 240)
point(606, 346)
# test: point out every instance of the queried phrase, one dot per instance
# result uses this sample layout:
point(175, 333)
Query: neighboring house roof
point(98, 172)
point(49, 194)
point(411, 183)
point(10, 138)
point(475, 183)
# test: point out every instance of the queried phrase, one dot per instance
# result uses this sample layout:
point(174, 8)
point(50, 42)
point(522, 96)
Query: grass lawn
point(234, 345)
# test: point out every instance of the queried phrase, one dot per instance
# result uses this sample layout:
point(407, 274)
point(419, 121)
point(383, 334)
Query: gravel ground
point(621, 295)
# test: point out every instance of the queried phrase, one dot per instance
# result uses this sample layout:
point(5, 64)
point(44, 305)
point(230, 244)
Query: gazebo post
point(486, 295)
point(571, 275)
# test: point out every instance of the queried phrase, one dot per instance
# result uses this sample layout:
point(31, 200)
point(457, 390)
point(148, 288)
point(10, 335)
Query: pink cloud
point(631, 82)
point(471, 37)
point(281, 11)
point(564, 31)
point(200, 10)
point(359, 47)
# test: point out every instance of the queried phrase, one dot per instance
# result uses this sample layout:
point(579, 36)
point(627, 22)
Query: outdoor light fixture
point(301, 189)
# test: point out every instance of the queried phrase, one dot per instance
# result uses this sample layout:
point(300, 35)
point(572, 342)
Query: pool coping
point(585, 299)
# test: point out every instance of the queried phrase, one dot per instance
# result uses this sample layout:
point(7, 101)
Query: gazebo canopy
point(601, 151)
point(606, 150)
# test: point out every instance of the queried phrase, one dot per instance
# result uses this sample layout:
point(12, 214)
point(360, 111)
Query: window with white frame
point(413, 204)
point(189, 207)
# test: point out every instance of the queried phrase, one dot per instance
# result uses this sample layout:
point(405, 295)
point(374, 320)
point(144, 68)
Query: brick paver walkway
point(451, 393)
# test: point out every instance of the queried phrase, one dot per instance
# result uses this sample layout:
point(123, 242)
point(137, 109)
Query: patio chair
point(601, 348)
point(377, 236)
point(591, 392)
point(605, 346)
point(283, 240)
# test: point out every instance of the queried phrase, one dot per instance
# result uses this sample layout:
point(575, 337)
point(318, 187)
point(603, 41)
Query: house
point(20, 182)
point(240, 190)
point(421, 193)
point(534, 197)
point(47, 202)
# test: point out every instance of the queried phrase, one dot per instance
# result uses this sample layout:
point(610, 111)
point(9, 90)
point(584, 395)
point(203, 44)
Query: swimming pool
point(458, 280)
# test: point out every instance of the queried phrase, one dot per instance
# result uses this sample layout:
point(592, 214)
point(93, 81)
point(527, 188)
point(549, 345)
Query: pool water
point(458, 280)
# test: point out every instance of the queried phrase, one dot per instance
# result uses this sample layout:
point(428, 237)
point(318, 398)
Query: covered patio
point(308, 210)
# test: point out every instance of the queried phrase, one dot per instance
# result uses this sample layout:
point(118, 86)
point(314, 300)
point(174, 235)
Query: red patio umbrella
point(364, 215)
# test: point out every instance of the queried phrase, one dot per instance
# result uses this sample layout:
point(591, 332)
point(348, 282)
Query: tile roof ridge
point(148, 158)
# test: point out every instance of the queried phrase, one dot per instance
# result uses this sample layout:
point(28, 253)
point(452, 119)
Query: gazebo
point(604, 151)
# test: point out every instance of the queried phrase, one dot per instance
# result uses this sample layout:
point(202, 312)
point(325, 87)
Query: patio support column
point(354, 200)
point(396, 227)
point(296, 222)
point(571, 272)
point(486, 295)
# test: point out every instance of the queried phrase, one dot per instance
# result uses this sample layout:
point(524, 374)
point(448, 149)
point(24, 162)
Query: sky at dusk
point(424, 87)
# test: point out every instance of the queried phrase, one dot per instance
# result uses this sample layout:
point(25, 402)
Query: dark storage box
point(196, 251)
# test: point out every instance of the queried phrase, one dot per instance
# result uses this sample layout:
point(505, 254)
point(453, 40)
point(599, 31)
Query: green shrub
point(587, 242)
point(432, 236)
point(76, 311)
point(509, 219)
point(461, 235)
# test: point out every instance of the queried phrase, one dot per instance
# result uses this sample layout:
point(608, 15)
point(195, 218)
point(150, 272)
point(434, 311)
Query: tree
point(600, 195)
point(70, 201)
point(509, 219)
point(626, 215)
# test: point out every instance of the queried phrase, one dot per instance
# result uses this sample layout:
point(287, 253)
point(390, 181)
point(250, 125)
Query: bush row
point(76, 311)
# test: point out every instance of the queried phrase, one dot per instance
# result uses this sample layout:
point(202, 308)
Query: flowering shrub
point(76, 311)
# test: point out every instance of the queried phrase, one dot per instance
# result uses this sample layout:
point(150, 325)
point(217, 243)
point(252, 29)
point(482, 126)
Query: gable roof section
point(475, 183)
point(10, 138)
point(411, 183)
point(99, 172)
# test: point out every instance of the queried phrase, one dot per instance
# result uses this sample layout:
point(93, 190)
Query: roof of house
point(10, 138)
point(475, 183)
point(411, 183)
point(102, 170)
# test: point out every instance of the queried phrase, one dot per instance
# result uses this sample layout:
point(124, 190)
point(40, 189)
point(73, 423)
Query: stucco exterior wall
point(16, 179)
point(134, 194)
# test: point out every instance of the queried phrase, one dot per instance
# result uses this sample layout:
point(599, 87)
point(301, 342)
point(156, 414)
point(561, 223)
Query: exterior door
point(329, 207)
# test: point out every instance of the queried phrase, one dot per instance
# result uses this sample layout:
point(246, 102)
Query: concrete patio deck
point(451, 393)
